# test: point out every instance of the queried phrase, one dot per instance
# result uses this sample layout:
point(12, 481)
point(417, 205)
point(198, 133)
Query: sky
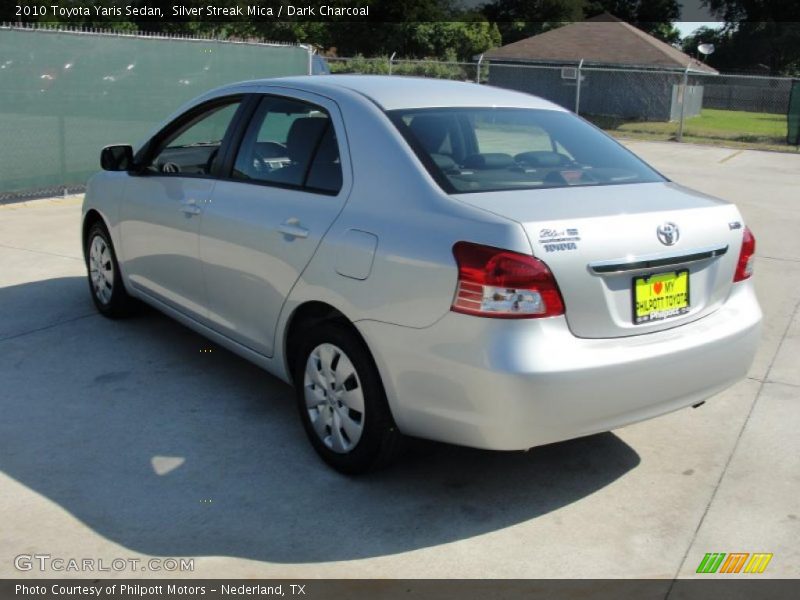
point(688, 27)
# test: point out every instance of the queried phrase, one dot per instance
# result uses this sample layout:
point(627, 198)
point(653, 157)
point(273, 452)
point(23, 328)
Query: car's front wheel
point(105, 281)
point(342, 402)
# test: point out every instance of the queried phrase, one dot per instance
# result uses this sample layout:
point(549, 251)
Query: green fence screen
point(65, 95)
point(793, 116)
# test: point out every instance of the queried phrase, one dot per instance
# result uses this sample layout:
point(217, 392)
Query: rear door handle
point(292, 228)
point(190, 207)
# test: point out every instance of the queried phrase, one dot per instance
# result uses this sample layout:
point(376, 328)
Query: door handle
point(190, 207)
point(293, 229)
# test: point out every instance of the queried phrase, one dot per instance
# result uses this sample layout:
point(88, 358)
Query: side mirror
point(116, 158)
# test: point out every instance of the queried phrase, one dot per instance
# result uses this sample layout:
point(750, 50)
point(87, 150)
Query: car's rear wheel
point(105, 281)
point(342, 402)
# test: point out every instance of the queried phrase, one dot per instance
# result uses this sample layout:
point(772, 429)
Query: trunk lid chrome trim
point(655, 261)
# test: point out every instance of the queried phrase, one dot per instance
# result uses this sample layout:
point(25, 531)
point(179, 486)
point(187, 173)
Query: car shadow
point(171, 446)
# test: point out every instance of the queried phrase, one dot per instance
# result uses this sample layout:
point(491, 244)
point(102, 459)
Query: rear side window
point(493, 149)
point(290, 143)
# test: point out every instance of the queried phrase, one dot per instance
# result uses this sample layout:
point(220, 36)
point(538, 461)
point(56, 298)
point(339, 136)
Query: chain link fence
point(723, 109)
point(64, 94)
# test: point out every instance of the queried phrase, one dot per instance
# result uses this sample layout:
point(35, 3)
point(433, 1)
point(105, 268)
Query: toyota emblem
point(668, 233)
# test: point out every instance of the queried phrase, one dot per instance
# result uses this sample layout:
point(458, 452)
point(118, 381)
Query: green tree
point(414, 29)
point(519, 19)
point(651, 16)
point(450, 40)
point(760, 35)
point(707, 35)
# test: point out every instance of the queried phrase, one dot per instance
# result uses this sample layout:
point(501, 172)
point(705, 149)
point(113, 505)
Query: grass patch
point(762, 131)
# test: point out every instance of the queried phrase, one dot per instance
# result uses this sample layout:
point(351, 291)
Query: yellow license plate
point(660, 296)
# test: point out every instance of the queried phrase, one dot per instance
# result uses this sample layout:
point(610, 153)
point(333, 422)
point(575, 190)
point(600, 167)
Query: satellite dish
point(705, 49)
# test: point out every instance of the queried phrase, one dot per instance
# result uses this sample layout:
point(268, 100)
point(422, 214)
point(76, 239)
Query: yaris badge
point(668, 233)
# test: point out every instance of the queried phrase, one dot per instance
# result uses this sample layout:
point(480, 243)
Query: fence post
point(478, 70)
point(310, 49)
point(578, 89)
point(391, 58)
point(683, 102)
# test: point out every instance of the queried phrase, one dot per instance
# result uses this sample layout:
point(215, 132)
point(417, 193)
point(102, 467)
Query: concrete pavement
point(129, 439)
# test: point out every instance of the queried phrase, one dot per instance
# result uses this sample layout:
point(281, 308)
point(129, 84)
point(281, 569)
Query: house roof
point(604, 40)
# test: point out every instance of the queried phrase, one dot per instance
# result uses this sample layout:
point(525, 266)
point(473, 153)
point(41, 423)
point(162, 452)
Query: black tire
point(380, 441)
point(112, 302)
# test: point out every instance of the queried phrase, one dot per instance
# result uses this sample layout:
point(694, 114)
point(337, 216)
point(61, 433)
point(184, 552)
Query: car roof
point(397, 92)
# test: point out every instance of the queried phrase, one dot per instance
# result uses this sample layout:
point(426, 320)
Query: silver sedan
point(436, 259)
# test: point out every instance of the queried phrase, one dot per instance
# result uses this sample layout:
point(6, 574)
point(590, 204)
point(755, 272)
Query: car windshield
point(492, 149)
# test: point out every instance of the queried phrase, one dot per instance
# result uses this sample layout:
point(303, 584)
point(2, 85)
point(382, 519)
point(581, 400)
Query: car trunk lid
point(598, 241)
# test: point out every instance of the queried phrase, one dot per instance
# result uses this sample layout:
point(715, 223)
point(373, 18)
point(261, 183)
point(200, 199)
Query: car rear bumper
point(514, 384)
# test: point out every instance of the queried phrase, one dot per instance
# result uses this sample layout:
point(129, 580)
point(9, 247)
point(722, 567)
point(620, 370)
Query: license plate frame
point(670, 309)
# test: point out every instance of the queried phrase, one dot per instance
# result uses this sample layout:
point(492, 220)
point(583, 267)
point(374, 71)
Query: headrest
point(542, 158)
point(490, 160)
point(303, 137)
point(444, 162)
point(430, 131)
point(328, 151)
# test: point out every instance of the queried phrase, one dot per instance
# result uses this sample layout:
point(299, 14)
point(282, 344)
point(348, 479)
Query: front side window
point(290, 143)
point(193, 146)
point(493, 149)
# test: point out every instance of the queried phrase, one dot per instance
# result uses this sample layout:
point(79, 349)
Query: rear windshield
point(492, 149)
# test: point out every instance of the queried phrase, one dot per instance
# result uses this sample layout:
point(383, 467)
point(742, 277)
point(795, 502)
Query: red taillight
point(744, 268)
point(503, 284)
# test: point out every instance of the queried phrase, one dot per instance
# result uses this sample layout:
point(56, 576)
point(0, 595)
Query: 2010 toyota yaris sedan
point(437, 259)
